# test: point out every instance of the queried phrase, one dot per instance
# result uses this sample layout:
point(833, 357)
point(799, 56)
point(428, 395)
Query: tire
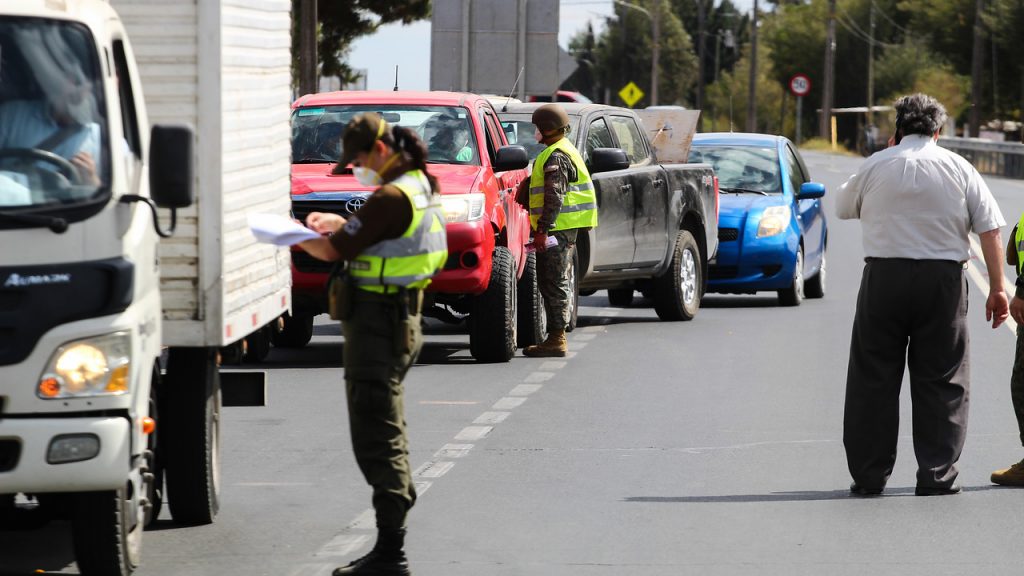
point(677, 292)
point(620, 297)
point(296, 333)
point(574, 289)
point(531, 318)
point(154, 460)
point(492, 333)
point(106, 536)
point(233, 354)
point(190, 410)
point(815, 287)
point(794, 295)
point(258, 345)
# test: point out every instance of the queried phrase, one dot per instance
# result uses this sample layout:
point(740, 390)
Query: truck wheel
point(794, 295)
point(677, 291)
point(574, 290)
point(258, 345)
point(620, 297)
point(815, 287)
point(296, 333)
point(154, 460)
point(190, 409)
point(106, 532)
point(492, 335)
point(532, 319)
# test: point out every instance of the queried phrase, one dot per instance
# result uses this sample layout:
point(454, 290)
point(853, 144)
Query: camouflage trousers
point(553, 278)
point(1017, 383)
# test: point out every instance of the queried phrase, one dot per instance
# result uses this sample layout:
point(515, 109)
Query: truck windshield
point(447, 131)
point(52, 135)
point(752, 168)
point(519, 129)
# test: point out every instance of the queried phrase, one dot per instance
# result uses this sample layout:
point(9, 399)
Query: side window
point(494, 128)
point(796, 174)
point(629, 138)
point(492, 143)
point(598, 136)
point(124, 91)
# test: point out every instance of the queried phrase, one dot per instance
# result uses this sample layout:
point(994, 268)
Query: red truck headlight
point(463, 207)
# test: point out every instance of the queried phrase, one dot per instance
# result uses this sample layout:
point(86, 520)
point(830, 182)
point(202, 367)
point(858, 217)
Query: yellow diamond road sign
point(631, 94)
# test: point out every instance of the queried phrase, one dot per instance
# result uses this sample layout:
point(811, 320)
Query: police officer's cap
point(360, 135)
point(550, 117)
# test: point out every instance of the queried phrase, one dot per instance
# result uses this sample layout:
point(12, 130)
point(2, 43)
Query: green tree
point(726, 107)
point(1006, 20)
point(341, 22)
point(584, 78)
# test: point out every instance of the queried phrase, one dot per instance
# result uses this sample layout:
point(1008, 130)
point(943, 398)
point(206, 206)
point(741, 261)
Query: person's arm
point(996, 307)
point(848, 198)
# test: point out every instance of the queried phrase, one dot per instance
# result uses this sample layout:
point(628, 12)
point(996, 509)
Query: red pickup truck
point(489, 279)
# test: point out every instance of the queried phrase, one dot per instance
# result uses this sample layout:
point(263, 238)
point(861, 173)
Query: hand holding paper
point(279, 230)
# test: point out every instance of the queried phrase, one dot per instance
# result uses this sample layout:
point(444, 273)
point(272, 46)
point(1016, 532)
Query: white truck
point(110, 335)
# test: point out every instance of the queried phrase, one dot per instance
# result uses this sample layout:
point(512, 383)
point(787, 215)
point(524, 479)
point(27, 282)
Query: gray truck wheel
point(296, 333)
point(620, 297)
point(794, 295)
point(190, 410)
point(574, 290)
point(492, 333)
point(106, 532)
point(532, 319)
point(677, 290)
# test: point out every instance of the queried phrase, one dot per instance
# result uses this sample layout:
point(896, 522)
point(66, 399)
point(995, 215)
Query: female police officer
point(393, 245)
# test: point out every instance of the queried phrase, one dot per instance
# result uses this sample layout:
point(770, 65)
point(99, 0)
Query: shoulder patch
point(353, 226)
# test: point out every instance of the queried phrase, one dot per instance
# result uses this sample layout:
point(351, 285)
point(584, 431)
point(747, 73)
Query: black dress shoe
point(858, 490)
point(937, 490)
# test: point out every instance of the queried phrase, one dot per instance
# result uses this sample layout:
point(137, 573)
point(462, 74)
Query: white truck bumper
point(32, 473)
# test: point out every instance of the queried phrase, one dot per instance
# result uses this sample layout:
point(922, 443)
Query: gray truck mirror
point(608, 160)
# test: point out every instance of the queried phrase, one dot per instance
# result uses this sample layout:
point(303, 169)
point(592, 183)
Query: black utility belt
point(961, 263)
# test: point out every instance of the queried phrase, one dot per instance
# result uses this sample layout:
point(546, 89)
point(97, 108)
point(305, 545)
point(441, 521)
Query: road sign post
point(800, 86)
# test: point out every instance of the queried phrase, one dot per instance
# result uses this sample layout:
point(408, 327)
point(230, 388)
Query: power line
point(891, 21)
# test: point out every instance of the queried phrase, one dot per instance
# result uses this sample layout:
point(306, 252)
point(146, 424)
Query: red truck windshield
point(447, 130)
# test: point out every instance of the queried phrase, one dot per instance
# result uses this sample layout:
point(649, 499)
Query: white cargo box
point(223, 66)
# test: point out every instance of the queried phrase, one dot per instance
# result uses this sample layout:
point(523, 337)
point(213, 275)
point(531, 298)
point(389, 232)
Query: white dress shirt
point(918, 200)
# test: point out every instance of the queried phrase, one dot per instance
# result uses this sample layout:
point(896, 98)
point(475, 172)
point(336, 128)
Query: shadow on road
point(797, 496)
point(46, 549)
point(740, 301)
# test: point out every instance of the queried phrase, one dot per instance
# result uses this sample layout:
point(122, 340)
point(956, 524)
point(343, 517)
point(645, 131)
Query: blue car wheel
point(794, 294)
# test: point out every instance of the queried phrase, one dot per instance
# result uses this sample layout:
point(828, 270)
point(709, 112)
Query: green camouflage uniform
point(553, 264)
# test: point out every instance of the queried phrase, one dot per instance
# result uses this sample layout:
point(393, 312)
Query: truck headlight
point(463, 207)
point(97, 366)
point(774, 221)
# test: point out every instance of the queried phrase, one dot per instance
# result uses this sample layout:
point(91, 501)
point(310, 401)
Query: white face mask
point(538, 136)
point(366, 176)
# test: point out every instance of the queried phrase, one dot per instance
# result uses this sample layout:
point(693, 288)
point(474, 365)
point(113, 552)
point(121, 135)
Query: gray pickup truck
point(657, 217)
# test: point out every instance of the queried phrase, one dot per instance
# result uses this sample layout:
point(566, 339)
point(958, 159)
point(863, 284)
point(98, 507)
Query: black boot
point(386, 559)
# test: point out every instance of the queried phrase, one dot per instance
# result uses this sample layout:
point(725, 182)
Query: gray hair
point(919, 114)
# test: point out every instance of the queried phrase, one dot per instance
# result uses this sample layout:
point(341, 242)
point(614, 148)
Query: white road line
point(343, 545)
point(422, 486)
point(573, 345)
point(474, 432)
point(453, 451)
point(593, 329)
point(977, 272)
point(539, 377)
point(433, 469)
point(553, 365)
point(491, 418)
point(525, 389)
point(367, 520)
point(271, 484)
point(582, 337)
point(508, 403)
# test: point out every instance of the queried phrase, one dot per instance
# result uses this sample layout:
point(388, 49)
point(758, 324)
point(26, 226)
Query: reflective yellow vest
point(1020, 244)
point(579, 209)
point(410, 260)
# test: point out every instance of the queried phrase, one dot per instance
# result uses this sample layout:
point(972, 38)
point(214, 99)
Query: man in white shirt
point(917, 203)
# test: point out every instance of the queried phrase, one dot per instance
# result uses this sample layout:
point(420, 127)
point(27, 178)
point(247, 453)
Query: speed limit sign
point(800, 85)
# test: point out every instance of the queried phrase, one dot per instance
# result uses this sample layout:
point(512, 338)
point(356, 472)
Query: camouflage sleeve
point(557, 171)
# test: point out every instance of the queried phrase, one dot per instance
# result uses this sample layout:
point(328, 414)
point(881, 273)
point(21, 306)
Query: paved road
point(707, 448)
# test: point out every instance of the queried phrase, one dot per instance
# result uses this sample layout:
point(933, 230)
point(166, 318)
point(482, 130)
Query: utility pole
point(752, 95)
point(701, 17)
point(825, 125)
point(307, 47)
point(655, 15)
point(871, 67)
point(977, 62)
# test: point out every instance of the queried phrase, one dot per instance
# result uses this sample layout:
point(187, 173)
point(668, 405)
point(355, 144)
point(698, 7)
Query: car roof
point(419, 98)
point(737, 139)
point(571, 108)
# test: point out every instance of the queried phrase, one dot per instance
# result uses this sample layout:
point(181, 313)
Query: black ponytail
point(406, 142)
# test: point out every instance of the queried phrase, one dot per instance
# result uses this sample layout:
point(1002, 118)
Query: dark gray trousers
point(909, 313)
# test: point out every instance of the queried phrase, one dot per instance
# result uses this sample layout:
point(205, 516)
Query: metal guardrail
point(1004, 159)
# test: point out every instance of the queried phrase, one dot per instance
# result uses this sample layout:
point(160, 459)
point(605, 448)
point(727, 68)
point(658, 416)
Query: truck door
point(650, 193)
point(614, 242)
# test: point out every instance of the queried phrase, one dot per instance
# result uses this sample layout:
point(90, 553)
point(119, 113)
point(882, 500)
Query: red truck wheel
point(492, 321)
point(532, 328)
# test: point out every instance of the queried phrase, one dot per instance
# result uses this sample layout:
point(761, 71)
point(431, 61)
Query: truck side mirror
point(809, 190)
point(608, 160)
point(171, 166)
point(511, 157)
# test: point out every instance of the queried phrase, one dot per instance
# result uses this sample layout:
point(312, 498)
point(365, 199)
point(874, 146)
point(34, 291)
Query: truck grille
point(10, 451)
point(306, 263)
point(728, 234)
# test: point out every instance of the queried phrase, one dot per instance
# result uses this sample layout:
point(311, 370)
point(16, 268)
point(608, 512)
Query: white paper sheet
point(279, 230)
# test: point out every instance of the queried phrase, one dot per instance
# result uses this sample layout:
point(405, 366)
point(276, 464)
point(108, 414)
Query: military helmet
point(550, 117)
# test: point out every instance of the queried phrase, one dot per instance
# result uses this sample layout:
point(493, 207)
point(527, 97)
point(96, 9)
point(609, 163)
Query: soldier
point(1014, 475)
point(561, 201)
point(393, 245)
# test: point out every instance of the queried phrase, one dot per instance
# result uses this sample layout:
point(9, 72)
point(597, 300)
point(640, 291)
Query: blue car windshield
point(742, 167)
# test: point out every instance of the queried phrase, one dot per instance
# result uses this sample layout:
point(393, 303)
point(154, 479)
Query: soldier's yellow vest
point(410, 260)
point(579, 210)
point(1019, 240)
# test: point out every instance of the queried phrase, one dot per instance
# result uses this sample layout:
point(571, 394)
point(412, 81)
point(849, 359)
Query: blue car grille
point(728, 234)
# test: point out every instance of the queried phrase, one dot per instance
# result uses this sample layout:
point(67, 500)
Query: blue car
point(772, 232)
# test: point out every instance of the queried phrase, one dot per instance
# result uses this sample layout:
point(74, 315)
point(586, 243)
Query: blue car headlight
point(774, 221)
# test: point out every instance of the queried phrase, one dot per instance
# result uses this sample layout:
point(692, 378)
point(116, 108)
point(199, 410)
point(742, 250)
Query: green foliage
point(726, 107)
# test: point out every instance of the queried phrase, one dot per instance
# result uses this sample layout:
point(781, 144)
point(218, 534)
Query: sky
point(408, 47)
